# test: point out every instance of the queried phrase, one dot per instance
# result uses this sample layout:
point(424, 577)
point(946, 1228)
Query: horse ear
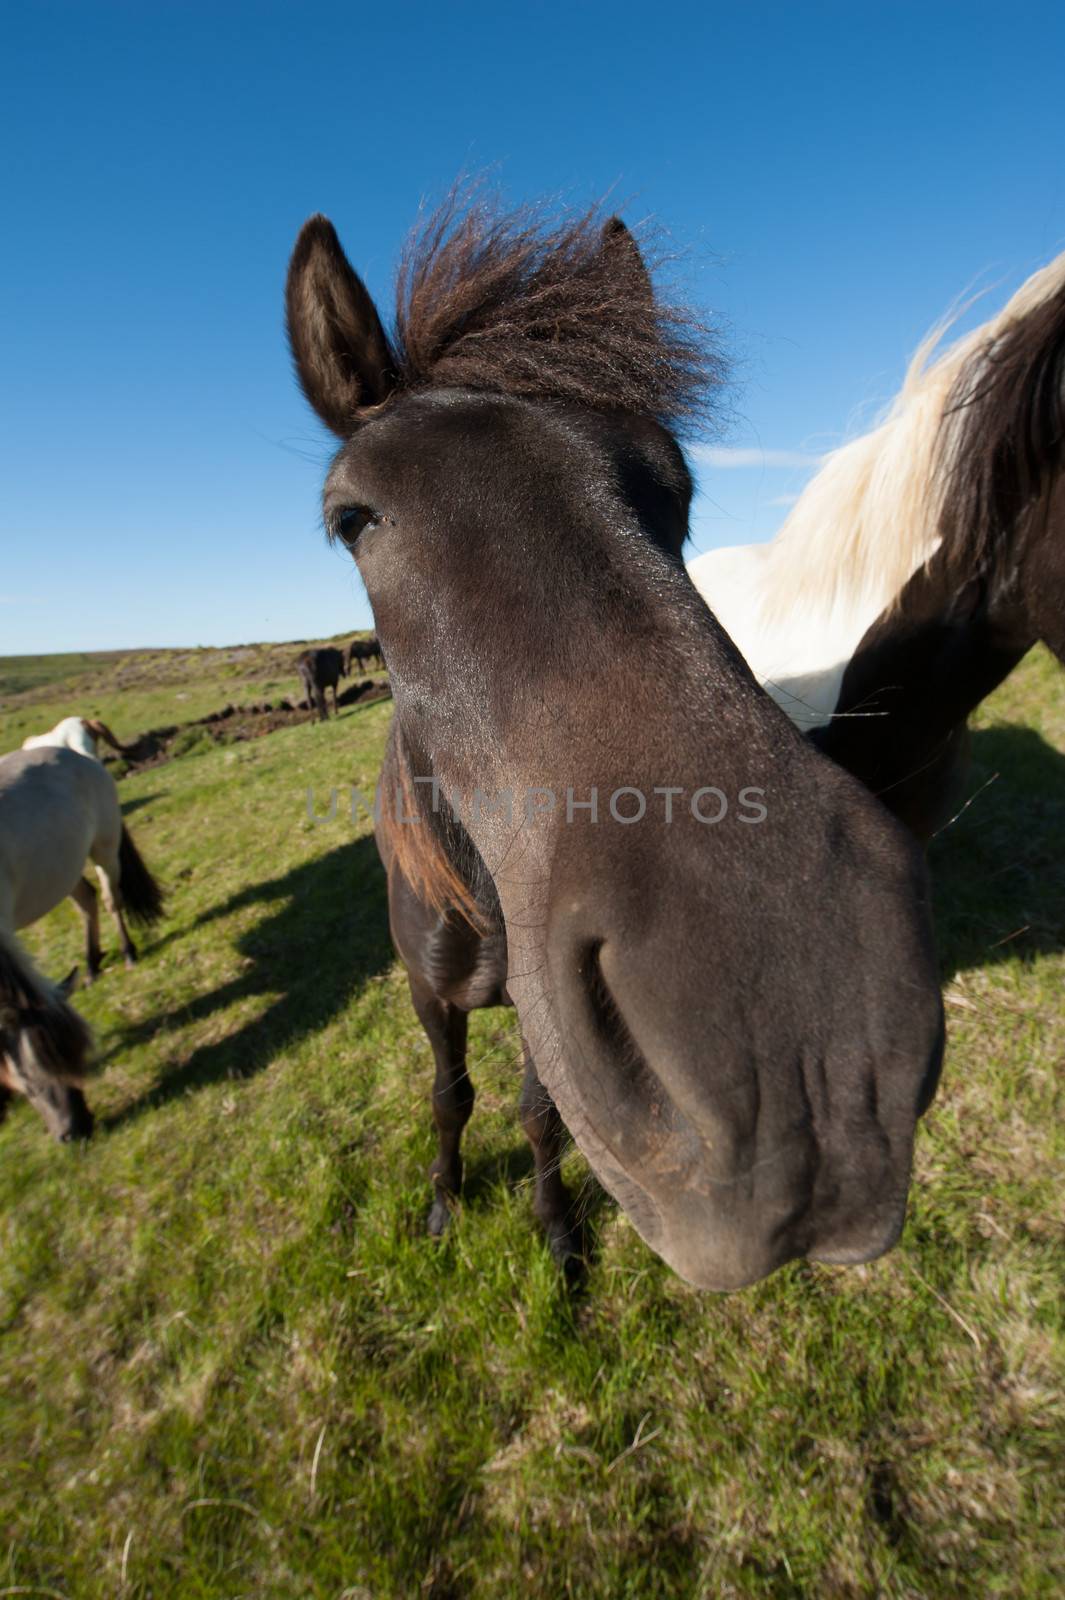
point(627, 258)
point(340, 349)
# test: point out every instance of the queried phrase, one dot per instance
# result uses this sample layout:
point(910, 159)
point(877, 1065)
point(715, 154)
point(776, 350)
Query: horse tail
point(100, 730)
point(50, 1042)
point(141, 895)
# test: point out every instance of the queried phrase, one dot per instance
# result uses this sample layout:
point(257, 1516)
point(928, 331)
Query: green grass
point(232, 1364)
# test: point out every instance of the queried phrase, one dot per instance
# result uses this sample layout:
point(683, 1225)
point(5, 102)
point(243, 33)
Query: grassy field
point(232, 1364)
point(135, 690)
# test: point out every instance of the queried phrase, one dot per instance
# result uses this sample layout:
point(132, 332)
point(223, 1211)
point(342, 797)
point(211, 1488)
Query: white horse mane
point(870, 518)
point(876, 513)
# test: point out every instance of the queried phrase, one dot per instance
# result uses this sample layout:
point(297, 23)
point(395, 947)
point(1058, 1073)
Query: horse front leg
point(552, 1202)
point(453, 1097)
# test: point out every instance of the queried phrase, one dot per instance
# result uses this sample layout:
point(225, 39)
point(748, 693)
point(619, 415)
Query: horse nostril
point(608, 1020)
point(605, 1012)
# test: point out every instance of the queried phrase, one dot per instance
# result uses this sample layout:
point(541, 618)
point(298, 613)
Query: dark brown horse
point(921, 563)
point(364, 652)
point(737, 1015)
point(320, 670)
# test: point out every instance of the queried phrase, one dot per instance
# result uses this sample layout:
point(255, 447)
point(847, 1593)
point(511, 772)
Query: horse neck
point(1041, 570)
point(800, 606)
point(917, 675)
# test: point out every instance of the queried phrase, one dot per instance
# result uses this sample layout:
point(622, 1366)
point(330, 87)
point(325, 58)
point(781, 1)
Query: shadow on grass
point(513, 1169)
point(998, 872)
point(130, 806)
point(328, 935)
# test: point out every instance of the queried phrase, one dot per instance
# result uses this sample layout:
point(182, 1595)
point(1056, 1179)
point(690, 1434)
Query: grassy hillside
point(135, 690)
point(232, 1364)
point(21, 675)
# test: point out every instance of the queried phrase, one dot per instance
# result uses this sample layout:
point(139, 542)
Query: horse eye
point(350, 522)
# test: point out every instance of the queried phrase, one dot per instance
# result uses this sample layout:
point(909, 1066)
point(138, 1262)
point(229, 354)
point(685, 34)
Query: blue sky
point(838, 175)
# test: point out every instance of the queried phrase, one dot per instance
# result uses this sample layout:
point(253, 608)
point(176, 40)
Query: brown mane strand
point(417, 852)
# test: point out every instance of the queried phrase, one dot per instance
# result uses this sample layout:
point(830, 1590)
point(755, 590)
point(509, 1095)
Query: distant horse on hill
point(58, 810)
point(75, 733)
point(739, 1025)
point(365, 652)
point(320, 670)
point(921, 563)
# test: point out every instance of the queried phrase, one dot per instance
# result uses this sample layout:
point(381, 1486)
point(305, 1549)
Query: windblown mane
point(422, 849)
point(518, 304)
point(967, 440)
point(1003, 433)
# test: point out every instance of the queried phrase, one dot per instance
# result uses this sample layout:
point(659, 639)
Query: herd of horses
point(740, 1026)
point(323, 667)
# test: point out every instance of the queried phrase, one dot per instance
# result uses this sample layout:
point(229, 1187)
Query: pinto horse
point(921, 563)
point(75, 733)
point(739, 1025)
point(57, 809)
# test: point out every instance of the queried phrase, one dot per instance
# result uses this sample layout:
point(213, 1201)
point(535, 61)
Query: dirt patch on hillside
point(233, 725)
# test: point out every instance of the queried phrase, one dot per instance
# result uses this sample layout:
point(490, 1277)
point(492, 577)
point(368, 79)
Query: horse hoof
point(81, 1128)
point(566, 1250)
point(439, 1218)
point(130, 960)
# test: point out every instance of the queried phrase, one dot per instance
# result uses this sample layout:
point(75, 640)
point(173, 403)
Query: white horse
point(58, 809)
point(75, 733)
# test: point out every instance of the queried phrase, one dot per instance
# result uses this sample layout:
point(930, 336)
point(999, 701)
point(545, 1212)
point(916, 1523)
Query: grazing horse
point(75, 733)
point(320, 670)
point(58, 809)
point(740, 1024)
point(44, 1045)
point(365, 652)
point(921, 563)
